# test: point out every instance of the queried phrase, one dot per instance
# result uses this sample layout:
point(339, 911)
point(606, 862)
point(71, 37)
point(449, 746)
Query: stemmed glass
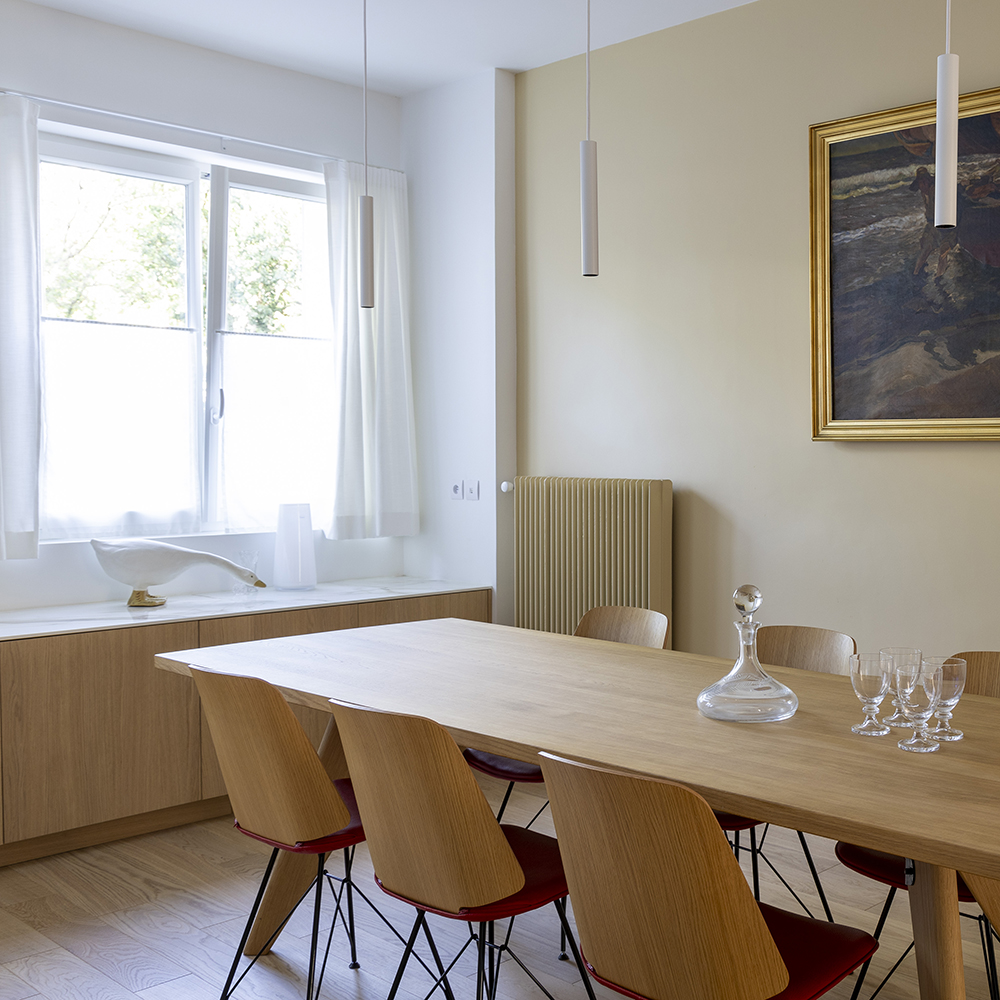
point(871, 681)
point(919, 687)
point(952, 686)
point(892, 657)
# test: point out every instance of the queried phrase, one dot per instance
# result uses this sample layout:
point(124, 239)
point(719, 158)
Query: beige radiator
point(580, 543)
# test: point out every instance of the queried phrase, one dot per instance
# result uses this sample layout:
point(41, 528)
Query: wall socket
point(470, 489)
point(455, 490)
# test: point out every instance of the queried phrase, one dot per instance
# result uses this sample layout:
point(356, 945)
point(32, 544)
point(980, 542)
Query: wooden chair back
point(982, 672)
point(638, 626)
point(662, 907)
point(276, 783)
point(806, 648)
point(432, 835)
point(983, 677)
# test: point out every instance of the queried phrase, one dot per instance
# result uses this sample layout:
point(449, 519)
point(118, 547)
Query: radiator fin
point(581, 543)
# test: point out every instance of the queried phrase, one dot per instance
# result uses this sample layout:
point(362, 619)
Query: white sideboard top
point(30, 622)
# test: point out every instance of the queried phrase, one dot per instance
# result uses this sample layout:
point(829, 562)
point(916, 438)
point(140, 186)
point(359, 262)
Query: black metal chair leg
point(560, 905)
point(481, 956)
point(736, 844)
point(563, 957)
point(878, 930)
point(348, 862)
point(815, 875)
point(314, 942)
point(407, 951)
point(442, 972)
point(250, 920)
point(754, 862)
point(506, 799)
point(545, 806)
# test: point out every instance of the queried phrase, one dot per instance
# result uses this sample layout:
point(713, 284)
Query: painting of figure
point(912, 312)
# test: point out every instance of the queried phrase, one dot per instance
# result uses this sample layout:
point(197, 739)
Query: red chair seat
point(350, 835)
point(885, 868)
point(731, 822)
point(817, 954)
point(544, 881)
point(504, 768)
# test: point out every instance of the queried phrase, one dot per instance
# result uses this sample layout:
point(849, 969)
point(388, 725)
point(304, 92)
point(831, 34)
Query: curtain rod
point(183, 128)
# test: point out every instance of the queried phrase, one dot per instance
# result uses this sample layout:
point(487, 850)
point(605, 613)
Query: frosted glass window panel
point(113, 247)
point(278, 429)
point(279, 276)
point(120, 430)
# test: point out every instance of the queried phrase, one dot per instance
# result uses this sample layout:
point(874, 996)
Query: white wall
point(689, 357)
point(63, 57)
point(457, 144)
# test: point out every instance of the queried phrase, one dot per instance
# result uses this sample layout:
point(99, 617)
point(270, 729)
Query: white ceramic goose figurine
point(143, 563)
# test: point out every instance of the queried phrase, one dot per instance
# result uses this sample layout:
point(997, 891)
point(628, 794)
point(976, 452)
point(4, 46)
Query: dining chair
point(982, 678)
point(662, 906)
point(637, 626)
point(282, 796)
point(436, 845)
point(805, 648)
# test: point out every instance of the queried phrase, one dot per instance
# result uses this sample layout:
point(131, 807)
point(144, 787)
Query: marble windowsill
point(32, 622)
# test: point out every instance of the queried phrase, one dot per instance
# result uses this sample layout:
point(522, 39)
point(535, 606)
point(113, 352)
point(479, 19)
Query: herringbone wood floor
point(158, 917)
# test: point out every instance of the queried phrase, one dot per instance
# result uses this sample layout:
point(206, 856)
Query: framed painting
point(906, 317)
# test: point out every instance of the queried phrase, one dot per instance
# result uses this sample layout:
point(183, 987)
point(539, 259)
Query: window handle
point(218, 414)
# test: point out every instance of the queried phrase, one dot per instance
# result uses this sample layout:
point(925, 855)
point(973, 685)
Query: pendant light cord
point(947, 28)
point(588, 66)
point(364, 99)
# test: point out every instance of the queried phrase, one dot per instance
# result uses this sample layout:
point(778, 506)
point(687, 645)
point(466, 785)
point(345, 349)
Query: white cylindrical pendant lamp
point(588, 207)
point(366, 245)
point(946, 143)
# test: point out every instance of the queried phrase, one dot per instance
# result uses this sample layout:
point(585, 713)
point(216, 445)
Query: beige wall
point(688, 358)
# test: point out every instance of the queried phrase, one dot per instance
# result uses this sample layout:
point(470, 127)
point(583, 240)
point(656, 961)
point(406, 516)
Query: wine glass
point(952, 686)
point(871, 681)
point(894, 656)
point(919, 687)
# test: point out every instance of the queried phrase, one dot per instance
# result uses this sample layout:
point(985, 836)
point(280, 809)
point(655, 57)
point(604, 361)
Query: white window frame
point(70, 150)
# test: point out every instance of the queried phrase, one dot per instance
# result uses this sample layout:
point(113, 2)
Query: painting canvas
point(906, 316)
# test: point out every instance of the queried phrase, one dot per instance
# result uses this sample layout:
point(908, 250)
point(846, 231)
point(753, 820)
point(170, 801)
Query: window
point(187, 352)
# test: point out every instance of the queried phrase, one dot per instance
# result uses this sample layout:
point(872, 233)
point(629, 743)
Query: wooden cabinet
point(90, 733)
point(96, 744)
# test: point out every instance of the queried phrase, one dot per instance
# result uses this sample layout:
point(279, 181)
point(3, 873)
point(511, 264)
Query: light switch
point(470, 489)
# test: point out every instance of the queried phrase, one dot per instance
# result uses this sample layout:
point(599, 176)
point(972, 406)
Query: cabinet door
point(474, 605)
point(216, 631)
point(92, 731)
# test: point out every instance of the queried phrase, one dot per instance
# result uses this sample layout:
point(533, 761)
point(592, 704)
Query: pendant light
point(946, 135)
point(588, 186)
point(366, 243)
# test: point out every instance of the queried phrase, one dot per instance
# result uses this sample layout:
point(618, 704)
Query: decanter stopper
point(747, 693)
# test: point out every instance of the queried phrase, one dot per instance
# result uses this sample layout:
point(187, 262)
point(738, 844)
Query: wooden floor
point(158, 917)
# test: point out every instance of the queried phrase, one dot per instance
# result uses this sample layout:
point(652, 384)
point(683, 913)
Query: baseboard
point(116, 829)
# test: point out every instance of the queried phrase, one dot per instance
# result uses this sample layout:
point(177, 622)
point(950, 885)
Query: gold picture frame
point(893, 379)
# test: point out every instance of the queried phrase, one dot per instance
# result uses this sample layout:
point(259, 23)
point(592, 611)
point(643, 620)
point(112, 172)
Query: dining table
point(516, 692)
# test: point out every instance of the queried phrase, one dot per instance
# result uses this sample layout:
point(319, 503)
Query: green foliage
point(264, 265)
point(113, 247)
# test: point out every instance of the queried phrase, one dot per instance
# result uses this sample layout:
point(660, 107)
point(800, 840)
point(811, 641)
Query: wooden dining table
point(515, 692)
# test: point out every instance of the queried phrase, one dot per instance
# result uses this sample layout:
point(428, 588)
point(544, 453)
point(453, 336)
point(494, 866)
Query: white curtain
point(20, 385)
point(376, 479)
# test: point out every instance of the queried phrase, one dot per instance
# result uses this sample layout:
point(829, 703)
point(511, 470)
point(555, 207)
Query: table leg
point(293, 873)
point(987, 893)
point(936, 933)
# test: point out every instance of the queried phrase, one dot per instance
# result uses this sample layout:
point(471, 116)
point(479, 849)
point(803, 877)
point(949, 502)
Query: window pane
point(279, 428)
point(121, 430)
point(279, 281)
point(112, 247)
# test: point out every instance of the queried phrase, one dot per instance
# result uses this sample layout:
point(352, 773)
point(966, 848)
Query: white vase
point(294, 553)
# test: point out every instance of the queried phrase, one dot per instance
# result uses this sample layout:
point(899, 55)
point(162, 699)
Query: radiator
point(581, 543)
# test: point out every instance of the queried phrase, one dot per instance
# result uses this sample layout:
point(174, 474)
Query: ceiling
point(412, 44)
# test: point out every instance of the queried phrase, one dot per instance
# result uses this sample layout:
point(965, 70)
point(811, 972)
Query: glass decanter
point(747, 693)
